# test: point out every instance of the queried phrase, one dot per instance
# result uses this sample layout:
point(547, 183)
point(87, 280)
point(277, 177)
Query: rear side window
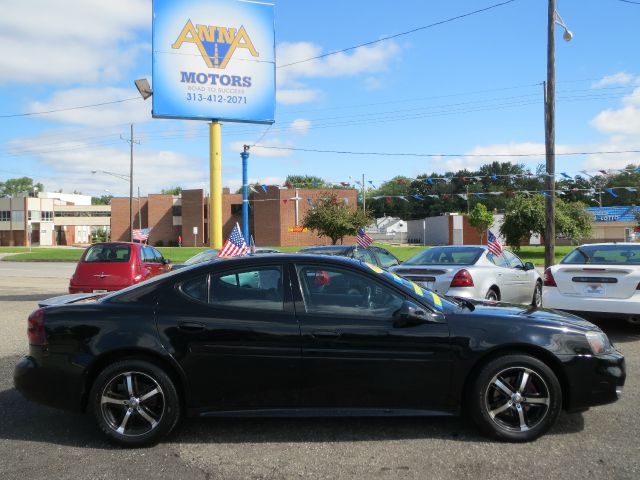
point(108, 254)
point(256, 288)
point(604, 255)
point(498, 260)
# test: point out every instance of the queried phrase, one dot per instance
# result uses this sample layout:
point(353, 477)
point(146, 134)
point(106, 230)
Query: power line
point(390, 37)
point(413, 154)
point(69, 108)
point(629, 1)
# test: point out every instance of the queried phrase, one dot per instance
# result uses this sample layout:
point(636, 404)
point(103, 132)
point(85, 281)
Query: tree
point(305, 181)
point(19, 187)
point(172, 191)
point(334, 219)
point(481, 219)
point(102, 200)
point(525, 216)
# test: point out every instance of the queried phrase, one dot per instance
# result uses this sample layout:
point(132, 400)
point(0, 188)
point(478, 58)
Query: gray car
point(472, 271)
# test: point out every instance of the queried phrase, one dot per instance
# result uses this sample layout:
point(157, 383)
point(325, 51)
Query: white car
point(600, 279)
point(472, 271)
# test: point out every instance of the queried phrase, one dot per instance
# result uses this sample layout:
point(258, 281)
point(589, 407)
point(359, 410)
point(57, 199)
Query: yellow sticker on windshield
point(374, 268)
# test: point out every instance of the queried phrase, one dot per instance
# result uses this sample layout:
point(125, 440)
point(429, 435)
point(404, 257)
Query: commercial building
point(275, 216)
point(51, 218)
point(613, 224)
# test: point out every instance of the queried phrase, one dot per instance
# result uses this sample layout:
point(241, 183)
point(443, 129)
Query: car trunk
point(434, 278)
point(104, 275)
point(597, 281)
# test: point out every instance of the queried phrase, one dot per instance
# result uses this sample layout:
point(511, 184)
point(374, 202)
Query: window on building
point(18, 215)
point(47, 216)
point(5, 216)
point(82, 214)
point(177, 210)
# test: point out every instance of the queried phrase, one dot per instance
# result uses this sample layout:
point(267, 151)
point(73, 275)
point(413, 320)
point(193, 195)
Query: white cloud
point(620, 78)
point(373, 83)
point(71, 164)
point(297, 96)
point(132, 111)
point(67, 41)
point(625, 120)
point(481, 155)
point(300, 125)
point(363, 60)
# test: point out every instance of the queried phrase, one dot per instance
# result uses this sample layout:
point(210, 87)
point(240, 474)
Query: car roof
point(328, 247)
point(623, 244)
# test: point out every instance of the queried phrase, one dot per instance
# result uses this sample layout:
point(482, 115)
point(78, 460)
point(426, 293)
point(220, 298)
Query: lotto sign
point(214, 60)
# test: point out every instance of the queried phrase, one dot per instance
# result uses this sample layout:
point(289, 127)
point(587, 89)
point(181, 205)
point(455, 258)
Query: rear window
point(446, 256)
point(339, 252)
point(108, 254)
point(604, 255)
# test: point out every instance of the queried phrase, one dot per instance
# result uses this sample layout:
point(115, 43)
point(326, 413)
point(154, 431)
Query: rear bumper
point(593, 380)
point(552, 298)
point(85, 289)
point(48, 386)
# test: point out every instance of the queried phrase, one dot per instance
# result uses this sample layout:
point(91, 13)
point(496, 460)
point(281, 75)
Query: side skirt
point(326, 412)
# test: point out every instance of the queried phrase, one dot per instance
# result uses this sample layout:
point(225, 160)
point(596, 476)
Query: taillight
point(462, 278)
point(35, 329)
point(549, 281)
point(638, 288)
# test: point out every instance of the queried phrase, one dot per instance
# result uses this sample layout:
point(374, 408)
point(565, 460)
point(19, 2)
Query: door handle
point(325, 334)
point(191, 326)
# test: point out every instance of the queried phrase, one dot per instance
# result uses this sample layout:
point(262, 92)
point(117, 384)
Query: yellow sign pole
point(215, 187)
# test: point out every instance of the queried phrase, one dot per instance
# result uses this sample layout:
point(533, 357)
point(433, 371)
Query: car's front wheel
point(515, 398)
point(135, 403)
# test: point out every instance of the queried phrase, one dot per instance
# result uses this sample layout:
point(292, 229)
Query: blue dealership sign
point(214, 60)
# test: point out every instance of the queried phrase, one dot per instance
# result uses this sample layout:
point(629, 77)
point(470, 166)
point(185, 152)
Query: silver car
point(472, 271)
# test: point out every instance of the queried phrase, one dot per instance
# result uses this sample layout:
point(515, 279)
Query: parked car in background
point(597, 280)
point(374, 255)
point(212, 254)
point(472, 271)
point(110, 266)
point(301, 335)
point(204, 256)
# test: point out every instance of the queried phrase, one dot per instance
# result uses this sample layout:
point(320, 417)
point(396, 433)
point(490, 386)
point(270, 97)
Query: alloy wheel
point(517, 399)
point(132, 403)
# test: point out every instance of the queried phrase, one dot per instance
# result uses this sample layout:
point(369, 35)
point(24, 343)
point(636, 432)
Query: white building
point(51, 219)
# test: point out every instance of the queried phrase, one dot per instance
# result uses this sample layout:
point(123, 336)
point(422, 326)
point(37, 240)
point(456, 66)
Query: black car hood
point(524, 312)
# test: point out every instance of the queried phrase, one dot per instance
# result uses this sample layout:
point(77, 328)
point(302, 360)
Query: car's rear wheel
point(492, 295)
point(135, 403)
point(537, 296)
point(515, 398)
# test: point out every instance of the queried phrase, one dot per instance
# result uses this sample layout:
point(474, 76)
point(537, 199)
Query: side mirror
point(166, 261)
point(529, 266)
point(410, 315)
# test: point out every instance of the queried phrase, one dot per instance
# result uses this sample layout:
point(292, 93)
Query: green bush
point(159, 243)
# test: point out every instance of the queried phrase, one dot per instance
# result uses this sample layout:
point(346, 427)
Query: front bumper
point(593, 380)
point(49, 386)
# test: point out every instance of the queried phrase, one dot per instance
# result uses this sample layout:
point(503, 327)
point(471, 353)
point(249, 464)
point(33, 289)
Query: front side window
point(108, 253)
point(256, 288)
point(328, 290)
point(498, 260)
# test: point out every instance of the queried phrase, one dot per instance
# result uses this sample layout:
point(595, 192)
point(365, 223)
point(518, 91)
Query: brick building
point(272, 216)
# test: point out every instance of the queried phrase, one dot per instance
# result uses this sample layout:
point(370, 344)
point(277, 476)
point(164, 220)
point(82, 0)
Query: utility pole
point(467, 199)
point(131, 141)
point(139, 216)
point(550, 138)
point(364, 199)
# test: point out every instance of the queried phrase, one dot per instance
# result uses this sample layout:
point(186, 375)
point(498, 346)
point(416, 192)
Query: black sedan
point(375, 255)
point(310, 336)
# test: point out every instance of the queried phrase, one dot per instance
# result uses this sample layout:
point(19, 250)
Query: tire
point(536, 301)
point(492, 295)
point(143, 405)
point(528, 412)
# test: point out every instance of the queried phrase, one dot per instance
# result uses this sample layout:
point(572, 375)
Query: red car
point(106, 267)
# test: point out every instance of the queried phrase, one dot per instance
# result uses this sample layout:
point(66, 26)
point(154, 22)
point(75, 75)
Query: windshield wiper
point(464, 301)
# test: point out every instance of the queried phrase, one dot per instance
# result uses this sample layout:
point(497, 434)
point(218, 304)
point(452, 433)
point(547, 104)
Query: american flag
point(252, 245)
point(493, 244)
point(363, 239)
point(235, 245)
point(141, 234)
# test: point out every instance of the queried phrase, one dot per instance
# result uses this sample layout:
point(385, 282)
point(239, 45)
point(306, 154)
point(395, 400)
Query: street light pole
point(131, 187)
point(550, 138)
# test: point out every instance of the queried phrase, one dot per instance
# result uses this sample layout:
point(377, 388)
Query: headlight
point(599, 343)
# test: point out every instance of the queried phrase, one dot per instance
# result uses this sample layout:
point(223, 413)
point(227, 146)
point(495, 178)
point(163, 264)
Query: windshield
point(326, 251)
point(108, 253)
point(202, 257)
point(446, 256)
point(604, 255)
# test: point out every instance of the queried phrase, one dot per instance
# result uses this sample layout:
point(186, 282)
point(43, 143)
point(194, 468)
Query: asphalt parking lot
point(37, 442)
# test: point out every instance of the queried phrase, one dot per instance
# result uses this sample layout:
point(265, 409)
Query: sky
point(455, 93)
